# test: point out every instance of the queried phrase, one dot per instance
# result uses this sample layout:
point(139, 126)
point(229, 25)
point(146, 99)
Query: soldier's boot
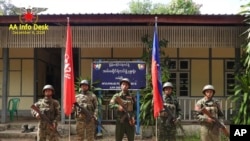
point(31, 128)
point(25, 128)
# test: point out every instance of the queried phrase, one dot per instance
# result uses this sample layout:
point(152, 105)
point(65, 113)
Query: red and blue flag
point(156, 75)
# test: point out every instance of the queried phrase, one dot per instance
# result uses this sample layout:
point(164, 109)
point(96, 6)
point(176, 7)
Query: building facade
point(202, 49)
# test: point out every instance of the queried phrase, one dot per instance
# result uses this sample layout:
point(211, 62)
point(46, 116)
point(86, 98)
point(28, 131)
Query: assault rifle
point(45, 118)
point(217, 122)
point(171, 119)
point(85, 112)
point(88, 115)
point(127, 114)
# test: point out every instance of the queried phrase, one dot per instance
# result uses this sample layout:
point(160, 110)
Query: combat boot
point(25, 128)
point(31, 128)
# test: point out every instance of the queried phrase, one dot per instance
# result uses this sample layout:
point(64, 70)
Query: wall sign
point(111, 72)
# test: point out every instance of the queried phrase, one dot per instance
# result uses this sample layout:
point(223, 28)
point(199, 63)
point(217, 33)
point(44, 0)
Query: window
point(172, 64)
point(184, 65)
point(229, 77)
point(184, 84)
point(230, 83)
point(179, 76)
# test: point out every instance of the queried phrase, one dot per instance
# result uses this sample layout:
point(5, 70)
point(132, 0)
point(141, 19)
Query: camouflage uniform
point(208, 131)
point(167, 129)
point(51, 108)
point(124, 127)
point(88, 101)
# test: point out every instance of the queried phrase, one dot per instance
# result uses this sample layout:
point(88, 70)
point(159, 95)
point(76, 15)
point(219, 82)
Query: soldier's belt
point(163, 114)
point(81, 116)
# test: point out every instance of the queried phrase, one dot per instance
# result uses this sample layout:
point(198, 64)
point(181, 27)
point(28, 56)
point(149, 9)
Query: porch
point(186, 105)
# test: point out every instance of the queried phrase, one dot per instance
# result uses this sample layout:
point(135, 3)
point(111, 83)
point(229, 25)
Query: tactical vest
point(48, 107)
point(128, 102)
point(211, 106)
point(170, 102)
point(86, 101)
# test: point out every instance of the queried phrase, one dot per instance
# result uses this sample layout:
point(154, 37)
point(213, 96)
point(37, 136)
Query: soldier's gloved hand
point(120, 108)
point(37, 116)
point(54, 125)
point(177, 120)
point(95, 117)
point(85, 105)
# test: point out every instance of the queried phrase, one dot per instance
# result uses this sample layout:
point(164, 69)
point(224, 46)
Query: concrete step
point(14, 131)
point(17, 134)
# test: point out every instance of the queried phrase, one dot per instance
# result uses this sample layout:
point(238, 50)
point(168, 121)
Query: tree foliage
point(174, 7)
point(183, 7)
point(6, 8)
point(242, 77)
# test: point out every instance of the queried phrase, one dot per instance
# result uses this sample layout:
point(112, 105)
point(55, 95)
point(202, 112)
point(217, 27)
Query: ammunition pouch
point(163, 114)
point(129, 106)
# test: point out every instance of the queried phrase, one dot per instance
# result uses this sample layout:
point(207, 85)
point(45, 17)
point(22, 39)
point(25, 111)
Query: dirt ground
point(73, 138)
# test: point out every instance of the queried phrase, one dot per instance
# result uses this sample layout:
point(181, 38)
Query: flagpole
point(156, 133)
point(69, 114)
point(156, 18)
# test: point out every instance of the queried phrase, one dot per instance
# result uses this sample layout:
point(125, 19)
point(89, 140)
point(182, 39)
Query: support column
point(5, 84)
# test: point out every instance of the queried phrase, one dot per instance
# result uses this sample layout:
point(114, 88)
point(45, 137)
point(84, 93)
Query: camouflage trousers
point(45, 132)
point(166, 131)
point(209, 133)
point(88, 129)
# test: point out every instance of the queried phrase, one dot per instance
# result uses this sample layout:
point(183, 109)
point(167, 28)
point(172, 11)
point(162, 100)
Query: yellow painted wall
point(218, 77)
point(127, 52)
point(199, 76)
point(21, 80)
point(223, 52)
point(25, 102)
point(1, 73)
point(1, 64)
point(194, 52)
point(21, 76)
point(170, 52)
point(86, 68)
point(21, 52)
point(96, 52)
point(28, 72)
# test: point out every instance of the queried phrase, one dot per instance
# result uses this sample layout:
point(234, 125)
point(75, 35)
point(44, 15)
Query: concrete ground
point(11, 131)
point(72, 138)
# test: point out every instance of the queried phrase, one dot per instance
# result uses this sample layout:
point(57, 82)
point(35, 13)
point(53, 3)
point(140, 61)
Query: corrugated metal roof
point(131, 19)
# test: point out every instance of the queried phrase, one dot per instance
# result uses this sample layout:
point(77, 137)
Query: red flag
point(156, 75)
point(69, 89)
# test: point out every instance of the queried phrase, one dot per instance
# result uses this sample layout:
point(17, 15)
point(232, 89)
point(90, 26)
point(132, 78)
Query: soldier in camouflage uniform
point(208, 130)
point(88, 100)
point(124, 127)
point(50, 108)
point(167, 126)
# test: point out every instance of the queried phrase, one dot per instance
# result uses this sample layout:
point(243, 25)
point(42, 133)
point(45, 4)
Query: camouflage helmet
point(84, 82)
point(48, 87)
point(167, 84)
point(125, 80)
point(208, 87)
